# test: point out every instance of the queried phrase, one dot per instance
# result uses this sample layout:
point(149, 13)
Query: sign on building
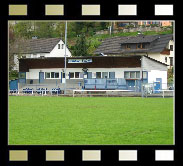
point(79, 60)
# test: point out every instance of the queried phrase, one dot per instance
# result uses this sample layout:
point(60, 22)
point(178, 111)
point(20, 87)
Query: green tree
point(44, 29)
point(23, 29)
point(81, 46)
point(59, 30)
point(104, 25)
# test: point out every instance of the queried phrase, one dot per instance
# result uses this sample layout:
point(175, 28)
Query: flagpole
point(65, 55)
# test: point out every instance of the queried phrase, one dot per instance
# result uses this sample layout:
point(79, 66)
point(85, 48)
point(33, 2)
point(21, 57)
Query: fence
point(157, 89)
point(99, 92)
point(39, 91)
point(70, 85)
point(137, 87)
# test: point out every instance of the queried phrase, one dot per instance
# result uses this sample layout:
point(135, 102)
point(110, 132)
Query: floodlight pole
point(65, 55)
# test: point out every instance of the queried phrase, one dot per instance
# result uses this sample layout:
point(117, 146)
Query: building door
point(130, 84)
point(89, 75)
point(41, 77)
point(160, 82)
point(112, 75)
point(62, 77)
point(157, 85)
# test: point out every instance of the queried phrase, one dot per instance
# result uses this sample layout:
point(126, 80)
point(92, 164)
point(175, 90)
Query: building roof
point(36, 46)
point(97, 62)
point(113, 45)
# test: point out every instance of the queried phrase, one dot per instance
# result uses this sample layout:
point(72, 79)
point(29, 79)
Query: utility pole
point(65, 55)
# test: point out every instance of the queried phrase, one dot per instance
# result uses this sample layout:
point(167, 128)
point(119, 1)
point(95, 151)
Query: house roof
point(139, 39)
point(36, 46)
point(113, 45)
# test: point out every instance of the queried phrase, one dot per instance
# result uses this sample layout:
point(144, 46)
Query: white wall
point(35, 55)
point(160, 57)
point(153, 74)
point(149, 64)
point(119, 72)
point(155, 56)
point(60, 52)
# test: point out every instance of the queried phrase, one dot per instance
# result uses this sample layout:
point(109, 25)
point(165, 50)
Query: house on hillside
point(39, 48)
point(158, 47)
point(123, 24)
point(94, 72)
point(160, 23)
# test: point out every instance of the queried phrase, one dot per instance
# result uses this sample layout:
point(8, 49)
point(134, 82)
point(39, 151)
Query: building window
point(47, 75)
point(144, 75)
point(58, 46)
point(51, 74)
point(104, 74)
point(71, 75)
point(138, 46)
point(89, 75)
point(141, 46)
point(62, 46)
point(138, 74)
point(63, 75)
point(132, 74)
point(165, 59)
point(98, 74)
point(128, 47)
point(56, 75)
point(171, 61)
point(127, 74)
point(171, 47)
point(76, 74)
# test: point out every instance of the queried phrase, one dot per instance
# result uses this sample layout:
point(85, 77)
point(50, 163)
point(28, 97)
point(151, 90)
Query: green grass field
point(90, 120)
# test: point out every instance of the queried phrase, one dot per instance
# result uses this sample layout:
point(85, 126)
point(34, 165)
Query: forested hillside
point(27, 30)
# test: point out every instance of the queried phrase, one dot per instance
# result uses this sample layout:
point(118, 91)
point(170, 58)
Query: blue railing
point(118, 83)
point(105, 84)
